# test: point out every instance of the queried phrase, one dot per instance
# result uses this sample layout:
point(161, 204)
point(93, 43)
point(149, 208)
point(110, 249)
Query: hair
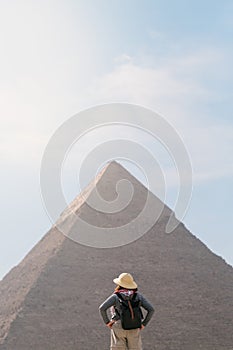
point(120, 287)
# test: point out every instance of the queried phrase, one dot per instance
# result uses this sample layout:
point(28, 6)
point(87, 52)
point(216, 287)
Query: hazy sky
point(60, 57)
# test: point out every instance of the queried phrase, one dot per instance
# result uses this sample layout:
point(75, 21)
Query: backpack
point(130, 312)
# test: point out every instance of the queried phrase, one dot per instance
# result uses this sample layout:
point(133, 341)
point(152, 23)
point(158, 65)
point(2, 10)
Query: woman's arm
point(111, 301)
point(148, 307)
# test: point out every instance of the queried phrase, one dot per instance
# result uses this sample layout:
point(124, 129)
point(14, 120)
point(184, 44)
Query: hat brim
point(132, 285)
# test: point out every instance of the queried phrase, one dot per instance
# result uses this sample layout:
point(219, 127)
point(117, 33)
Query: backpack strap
point(131, 309)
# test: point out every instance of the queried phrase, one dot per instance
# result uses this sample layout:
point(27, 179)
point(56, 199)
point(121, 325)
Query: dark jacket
point(114, 303)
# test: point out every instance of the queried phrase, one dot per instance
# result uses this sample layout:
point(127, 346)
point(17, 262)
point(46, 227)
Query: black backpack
point(130, 312)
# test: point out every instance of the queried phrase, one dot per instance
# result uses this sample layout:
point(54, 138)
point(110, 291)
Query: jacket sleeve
point(148, 307)
point(110, 301)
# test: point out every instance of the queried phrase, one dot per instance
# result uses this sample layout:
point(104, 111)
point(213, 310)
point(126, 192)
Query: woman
point(125, 293)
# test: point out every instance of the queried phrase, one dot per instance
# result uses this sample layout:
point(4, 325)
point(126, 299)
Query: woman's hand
point(142, 327)
point(110, 324)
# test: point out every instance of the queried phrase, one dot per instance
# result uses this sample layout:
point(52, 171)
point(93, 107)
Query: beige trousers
point(122, 339)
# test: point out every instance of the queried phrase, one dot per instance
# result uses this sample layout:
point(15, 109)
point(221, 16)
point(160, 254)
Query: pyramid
point(50, 300)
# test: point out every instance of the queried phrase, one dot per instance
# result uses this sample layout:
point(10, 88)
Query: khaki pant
point(122, 339)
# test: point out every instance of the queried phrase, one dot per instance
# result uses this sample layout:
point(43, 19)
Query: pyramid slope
point(16, 284)
point(190, 287)
point(19, 281)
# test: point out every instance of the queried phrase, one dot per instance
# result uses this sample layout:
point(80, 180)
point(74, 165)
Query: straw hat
point(125, 280)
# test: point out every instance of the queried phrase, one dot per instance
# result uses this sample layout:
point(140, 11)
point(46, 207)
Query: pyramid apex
point(112, 167)
point(113, 163)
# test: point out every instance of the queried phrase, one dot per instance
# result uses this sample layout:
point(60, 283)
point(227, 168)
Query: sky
point(58, 58)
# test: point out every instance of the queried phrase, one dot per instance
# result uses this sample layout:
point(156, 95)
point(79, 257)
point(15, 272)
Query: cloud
point(174, 87)
point(124, 58)
point(178, 91)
